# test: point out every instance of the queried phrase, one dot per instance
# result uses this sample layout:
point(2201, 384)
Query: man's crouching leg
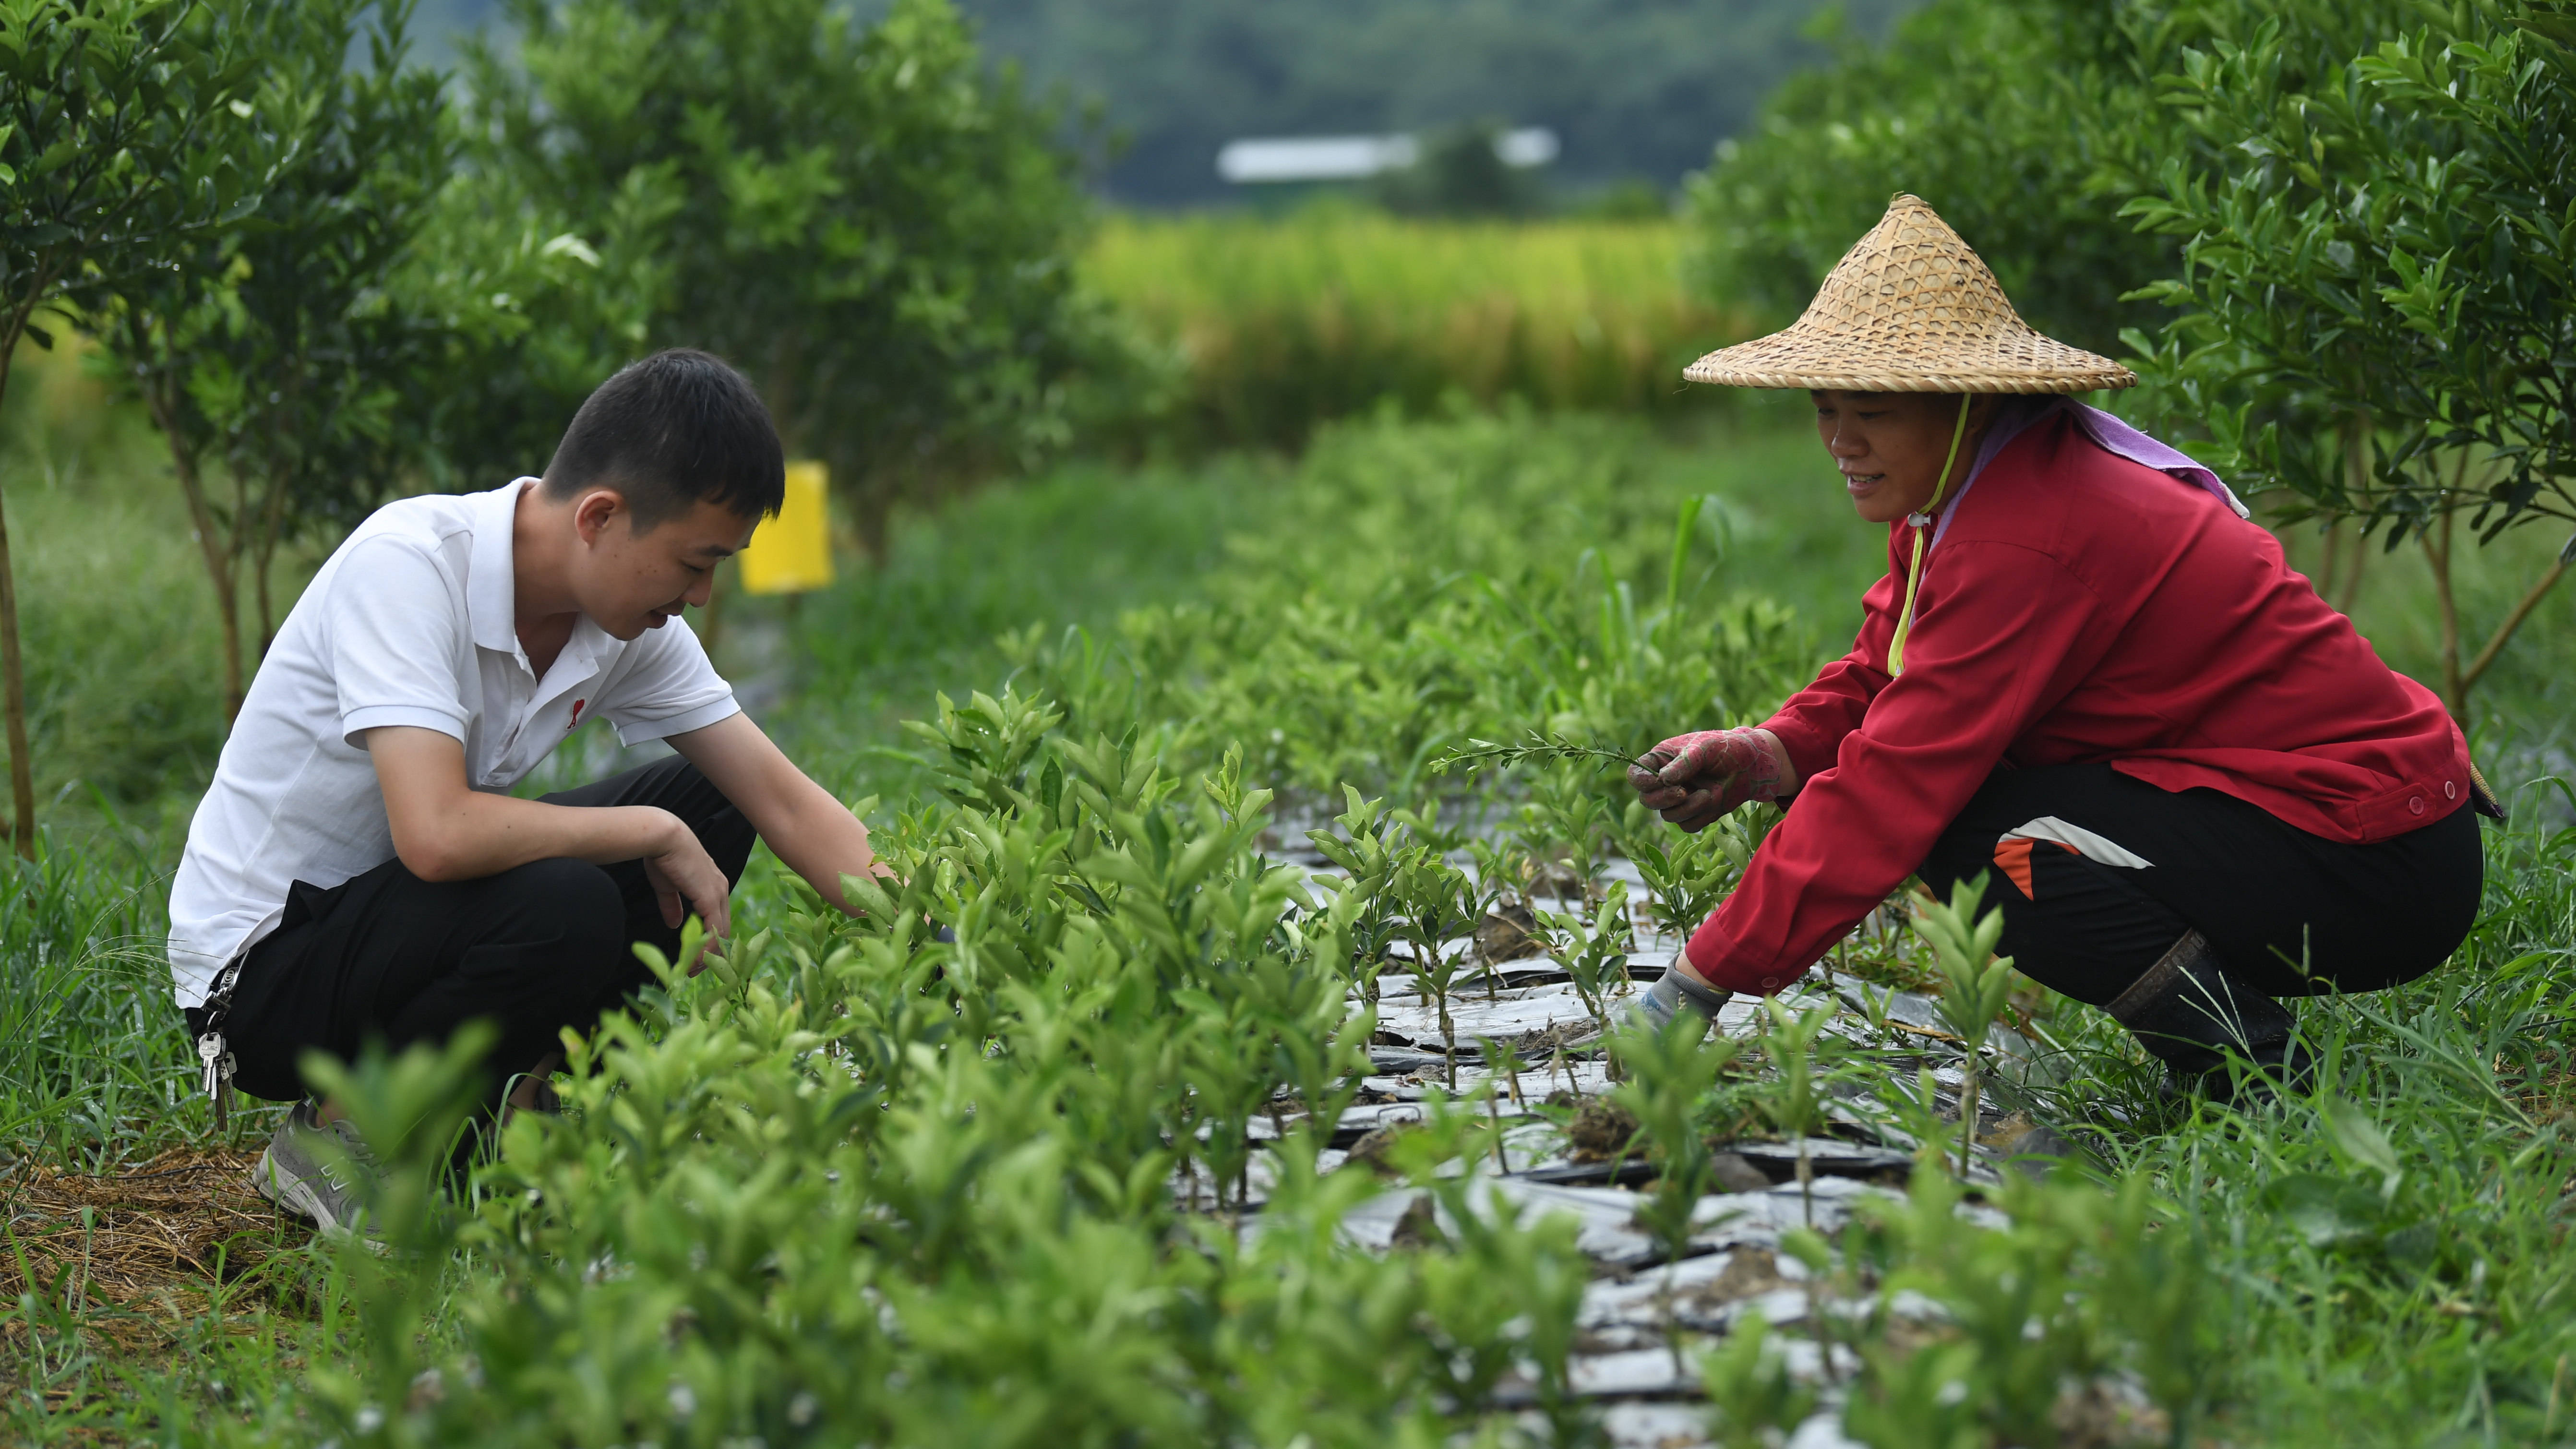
point(390, 958)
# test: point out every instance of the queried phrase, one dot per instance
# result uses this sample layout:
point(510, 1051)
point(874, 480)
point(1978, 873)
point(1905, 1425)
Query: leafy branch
point(1486, 754)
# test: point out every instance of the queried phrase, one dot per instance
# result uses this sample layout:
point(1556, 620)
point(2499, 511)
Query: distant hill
point(1637, 89)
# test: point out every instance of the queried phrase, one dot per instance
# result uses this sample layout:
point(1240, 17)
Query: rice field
point(1269, 326)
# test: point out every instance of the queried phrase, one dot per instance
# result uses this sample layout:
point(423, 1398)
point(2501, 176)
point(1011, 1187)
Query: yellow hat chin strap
point(1923, 521)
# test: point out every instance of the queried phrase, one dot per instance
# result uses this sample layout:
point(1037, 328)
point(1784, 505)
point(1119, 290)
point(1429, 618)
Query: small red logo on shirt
point(576, 714)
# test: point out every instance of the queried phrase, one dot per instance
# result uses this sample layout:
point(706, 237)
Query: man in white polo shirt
point(358, 869)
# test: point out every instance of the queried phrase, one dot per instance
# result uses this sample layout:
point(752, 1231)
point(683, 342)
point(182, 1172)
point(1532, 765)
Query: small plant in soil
point(1594, 953)
point(1506, 929)
point(1435, 899)
point(1369, 851)
point(1565, 825)
point(1974, 986)
point(1669, 1073)
point(1754, 1401)
point(1687, 876)
point(1791, 1100)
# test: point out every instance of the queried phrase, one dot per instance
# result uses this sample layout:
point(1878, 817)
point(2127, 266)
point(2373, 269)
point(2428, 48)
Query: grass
point(2381, 1265)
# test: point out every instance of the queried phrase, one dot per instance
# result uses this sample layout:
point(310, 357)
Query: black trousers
point(390, 957)
point(2088, 909)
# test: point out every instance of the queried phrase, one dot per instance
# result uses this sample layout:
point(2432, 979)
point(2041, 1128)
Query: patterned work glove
point(1693, 779)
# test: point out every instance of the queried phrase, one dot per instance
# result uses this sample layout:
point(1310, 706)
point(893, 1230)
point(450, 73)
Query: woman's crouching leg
point(2188, 915)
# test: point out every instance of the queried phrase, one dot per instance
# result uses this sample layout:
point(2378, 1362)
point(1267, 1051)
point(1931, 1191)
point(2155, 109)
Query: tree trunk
point(13, 665)
point(263, 552)
point(2348, 587)
point(13, 678)
point(711, 618)
point(272, 510)
point(2438, 554)
point(2496, 641)
point(2356, 458)
point(212, 545)
point(2343, 579)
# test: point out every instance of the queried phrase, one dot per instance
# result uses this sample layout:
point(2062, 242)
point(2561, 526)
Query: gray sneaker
point(310, 1169)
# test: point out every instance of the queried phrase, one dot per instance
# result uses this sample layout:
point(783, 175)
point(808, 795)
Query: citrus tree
point(528, 308)
point(2379, 284)
point(120, 154)
point(2025, 123)
point(272, 360)
point(871, 224)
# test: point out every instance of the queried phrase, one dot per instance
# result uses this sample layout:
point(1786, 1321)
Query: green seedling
point(1504, 1062)
point(411, 1110)
point(1435, 899)
point(1368, 851)
point(1594, 953)
point(1875, 1005)
point(1500, 1065)
point(1503, 870)
point(1669, 1071)
point(1754, 1401)
point(1974, 986)
point(1503, 876)
point(1810, 1249)
point(1565, 819)
point(1791, 1100)
point(1668, 1076)
point(1687, 876)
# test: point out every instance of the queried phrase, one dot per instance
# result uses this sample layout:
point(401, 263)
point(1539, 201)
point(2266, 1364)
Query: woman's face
point(1890, 445)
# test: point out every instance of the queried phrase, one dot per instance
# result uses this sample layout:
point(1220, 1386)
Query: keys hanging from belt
point(214, 1055)
point(216, 1078)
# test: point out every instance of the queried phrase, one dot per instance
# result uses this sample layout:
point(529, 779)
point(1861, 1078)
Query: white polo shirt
point(408, 623)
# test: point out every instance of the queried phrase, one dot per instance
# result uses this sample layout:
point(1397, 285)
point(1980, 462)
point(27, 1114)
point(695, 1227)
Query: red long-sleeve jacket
point(2079, 608)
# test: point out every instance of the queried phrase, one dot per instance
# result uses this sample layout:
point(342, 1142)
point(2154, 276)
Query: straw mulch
point(132, 1255)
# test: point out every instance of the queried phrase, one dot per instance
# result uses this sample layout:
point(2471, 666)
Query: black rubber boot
point(2190, 1015)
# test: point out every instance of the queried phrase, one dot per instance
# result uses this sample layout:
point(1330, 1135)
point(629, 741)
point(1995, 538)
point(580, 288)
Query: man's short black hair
point(679, 427)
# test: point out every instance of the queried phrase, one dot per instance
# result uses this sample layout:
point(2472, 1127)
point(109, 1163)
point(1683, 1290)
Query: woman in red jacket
point(2196, 787)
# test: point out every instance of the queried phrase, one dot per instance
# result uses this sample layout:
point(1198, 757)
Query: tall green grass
point(1275, 325)
point(90, 1045)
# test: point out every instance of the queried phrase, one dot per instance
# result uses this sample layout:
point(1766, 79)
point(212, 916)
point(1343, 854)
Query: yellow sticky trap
point(792, 552)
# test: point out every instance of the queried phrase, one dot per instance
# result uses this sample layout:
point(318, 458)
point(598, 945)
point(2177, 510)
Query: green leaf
point(2327, 1212)
point(2359, 1137)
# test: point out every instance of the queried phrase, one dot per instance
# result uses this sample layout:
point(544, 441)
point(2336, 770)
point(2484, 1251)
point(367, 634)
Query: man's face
point(628, 582)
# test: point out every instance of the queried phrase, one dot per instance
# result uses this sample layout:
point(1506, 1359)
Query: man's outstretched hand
point(686, 879)
point(1693, 779)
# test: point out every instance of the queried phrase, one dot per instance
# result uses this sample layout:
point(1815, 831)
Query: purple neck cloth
point(2110, 434)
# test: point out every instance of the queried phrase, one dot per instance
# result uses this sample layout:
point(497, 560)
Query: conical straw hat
point(1911, 308)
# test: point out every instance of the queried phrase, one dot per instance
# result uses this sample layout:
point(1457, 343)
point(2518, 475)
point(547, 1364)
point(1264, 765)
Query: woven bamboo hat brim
point(1910, 308)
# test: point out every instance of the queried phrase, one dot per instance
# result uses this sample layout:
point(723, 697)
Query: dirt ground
point(128, 1257)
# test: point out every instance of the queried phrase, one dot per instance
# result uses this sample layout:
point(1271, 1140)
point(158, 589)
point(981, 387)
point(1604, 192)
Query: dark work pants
point(2289, 913)
point(543, 946)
